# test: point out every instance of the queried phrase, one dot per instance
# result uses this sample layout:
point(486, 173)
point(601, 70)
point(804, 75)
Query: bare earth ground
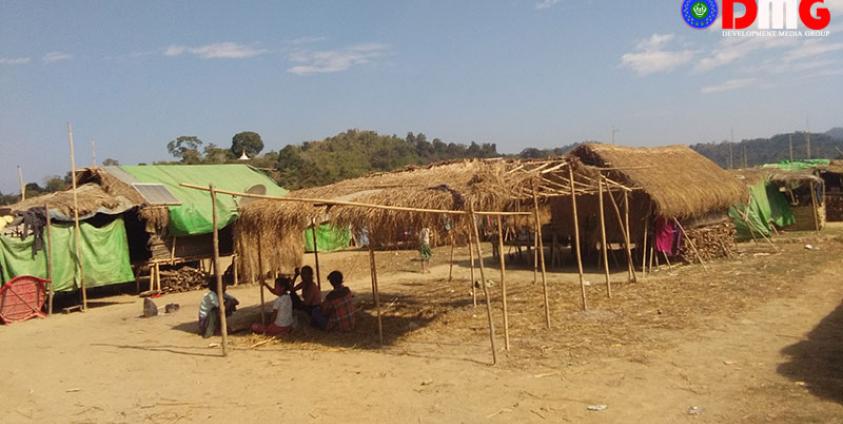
point(756, 338)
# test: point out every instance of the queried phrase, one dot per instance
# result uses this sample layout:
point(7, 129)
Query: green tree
point(110, 162)
point(186, 148)
point(55, 183)
point(214, 154)
point(246, 141)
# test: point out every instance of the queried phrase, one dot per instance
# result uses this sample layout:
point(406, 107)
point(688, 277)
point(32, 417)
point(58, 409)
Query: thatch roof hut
point(680, 182)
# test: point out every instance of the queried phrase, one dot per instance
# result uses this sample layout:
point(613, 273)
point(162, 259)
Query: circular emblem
point(699, 13)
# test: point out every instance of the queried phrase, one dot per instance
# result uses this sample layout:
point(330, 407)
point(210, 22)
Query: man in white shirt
point(281, 320)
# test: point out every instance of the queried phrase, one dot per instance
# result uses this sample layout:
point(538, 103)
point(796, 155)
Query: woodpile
point(183, 279)
point(712, 241)
point(834, 205)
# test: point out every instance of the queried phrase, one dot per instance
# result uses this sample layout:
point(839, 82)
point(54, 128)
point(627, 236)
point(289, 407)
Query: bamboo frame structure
point(373, 268)
point(577, 239)
point(471, 270)
point(502, 263)
point(451, 260)
point(262, 282)
point(603, 242)
point(50, 292)
point(77, 229)
point(313, 227)
point(540, 253)
point(485, 285)
point(630, 260)
point(218, 274)
point(644, 248)
point(625, 231)
point(22, 185)
point(814, 209)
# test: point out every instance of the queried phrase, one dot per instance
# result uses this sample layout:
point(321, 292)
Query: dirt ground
point(754, 338)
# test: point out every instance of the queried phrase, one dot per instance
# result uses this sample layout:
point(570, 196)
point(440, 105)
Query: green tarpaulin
point(767, 206)
point(798, 165)
point(105, 256)
point(193, 216)
point(328, 238)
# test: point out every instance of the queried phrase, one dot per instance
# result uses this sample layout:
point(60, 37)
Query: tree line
point(758, 151)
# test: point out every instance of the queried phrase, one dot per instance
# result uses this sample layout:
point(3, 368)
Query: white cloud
point(651, 56)
point(327, 61)
point(305, 40)
point(53, 57)
point(14, 60)
point(730, 85)
point(226, 50)
point(812, 48)
point(731, 49)
point(546, 4)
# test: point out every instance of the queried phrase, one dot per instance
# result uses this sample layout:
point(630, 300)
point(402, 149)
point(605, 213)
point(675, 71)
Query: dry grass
point(681, 182)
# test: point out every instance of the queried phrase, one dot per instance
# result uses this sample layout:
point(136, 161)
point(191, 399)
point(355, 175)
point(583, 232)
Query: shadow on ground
point(818, 360)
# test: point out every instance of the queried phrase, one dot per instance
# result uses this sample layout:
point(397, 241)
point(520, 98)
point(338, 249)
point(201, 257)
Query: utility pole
point(614, 131)
point(790, 140)
point(93, 153)
point(745, 165)
point(731, 146)
point(22, 185)
point(807, 138)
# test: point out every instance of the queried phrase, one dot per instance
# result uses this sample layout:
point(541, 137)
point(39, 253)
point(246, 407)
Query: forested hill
point(759, 151)
point(355, 153)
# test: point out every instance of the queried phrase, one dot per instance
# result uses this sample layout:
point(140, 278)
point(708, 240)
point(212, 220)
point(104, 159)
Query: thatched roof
point(92, 199)
point(752, 176)
point(681, 182)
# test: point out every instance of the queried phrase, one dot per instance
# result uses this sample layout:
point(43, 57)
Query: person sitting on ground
point(281, 319)
point(337, 311)
point(209, 312)
point(311, 296)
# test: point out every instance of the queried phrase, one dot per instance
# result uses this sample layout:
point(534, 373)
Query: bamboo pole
point(316, 256)
point(603, 242)
point(577, 237)
point(540, 253)
point(503, 284)
point(262, 282)
point(644, 248)
point(451, 261)
point(218, 275)
point(628, 243)
point(375, 294)
point(234, 266)
point(329, 202)
point(50, 292)
point(471, 272)
point(814, 210)
point(485, 286)
point(77, 231)
point(158, 276)
point(625, 232)
point(22, 185)
point(691, 242)
point(667, 261)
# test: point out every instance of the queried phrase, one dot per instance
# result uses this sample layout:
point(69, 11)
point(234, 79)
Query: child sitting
point(281, 320)
point(209, 309)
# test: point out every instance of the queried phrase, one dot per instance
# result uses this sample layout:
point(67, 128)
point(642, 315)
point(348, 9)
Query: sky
point(132, 76)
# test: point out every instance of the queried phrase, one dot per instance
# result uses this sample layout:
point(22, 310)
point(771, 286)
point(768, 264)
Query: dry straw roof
point(681, 182)
point(92, 199)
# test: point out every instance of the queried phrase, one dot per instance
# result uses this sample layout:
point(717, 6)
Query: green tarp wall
point(798, 165)
point(328, 238)
point(105, 256)
point(193, 216)
point(766, 205)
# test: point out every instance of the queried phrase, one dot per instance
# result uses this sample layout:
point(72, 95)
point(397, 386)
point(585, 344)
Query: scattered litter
point(597, 407)
point(729, 362)
point(695, 410)
point(761, 254)
point(547, 374)
point(809, 247)
point(213, 345)
point(500, 411)
point(426, 382)
point(586, 283)
point(801, 383)
point(73, 390)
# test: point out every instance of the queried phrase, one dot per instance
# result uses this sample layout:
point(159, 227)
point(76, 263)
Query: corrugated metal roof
point(156, 194)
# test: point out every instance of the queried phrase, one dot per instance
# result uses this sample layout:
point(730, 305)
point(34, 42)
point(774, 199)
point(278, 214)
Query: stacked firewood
point(182, 280)
point(834, 205)
point(711, 241)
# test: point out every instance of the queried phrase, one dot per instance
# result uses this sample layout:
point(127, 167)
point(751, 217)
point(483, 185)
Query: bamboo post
point(814, 210)
point(644, 248)
point(375, 294)
point(50, 292)
point(22, 185)
point(625, 231)
point(234, 266)
point(603, 242)
point(316, 256)
point(451, 261)
point(485, 286)
point(691, 242)
point(540, 253)
point(577, 236)
point(667, 261)
point(151, 277)
point(218, 275)
point(158, 276)
point(262, 277)
point(628, 243)
point(77, 231)
point(503, 283)
point(471, 256)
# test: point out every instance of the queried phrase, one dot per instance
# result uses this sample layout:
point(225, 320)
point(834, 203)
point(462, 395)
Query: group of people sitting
point(334, 312)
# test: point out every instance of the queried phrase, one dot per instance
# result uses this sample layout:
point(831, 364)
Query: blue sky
point(543, 73)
